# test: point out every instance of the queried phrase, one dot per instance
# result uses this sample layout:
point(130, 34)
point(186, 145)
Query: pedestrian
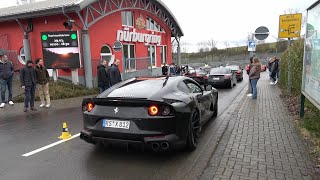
point(6, 77)
point(274, 70)
point(42, 83)
point(172, 70)
point(178, 70)
point(103, 78)
point(114, 73)
point(164, 69)
point(248, 72)
point(254, 76)
point(28, 80)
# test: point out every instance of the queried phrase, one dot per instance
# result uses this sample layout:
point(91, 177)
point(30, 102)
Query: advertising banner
point(61, 49)
point(311, 63)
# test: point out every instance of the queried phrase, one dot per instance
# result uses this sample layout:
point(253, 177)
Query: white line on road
point(50, 145)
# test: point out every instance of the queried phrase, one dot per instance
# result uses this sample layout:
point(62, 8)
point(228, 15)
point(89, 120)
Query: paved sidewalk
point(262, 142)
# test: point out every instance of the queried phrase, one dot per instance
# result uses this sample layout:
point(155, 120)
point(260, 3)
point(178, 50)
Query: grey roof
point(313, 5)
point(52, 7)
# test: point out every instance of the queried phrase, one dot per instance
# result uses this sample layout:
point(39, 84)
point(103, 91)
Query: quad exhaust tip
point(156, 146)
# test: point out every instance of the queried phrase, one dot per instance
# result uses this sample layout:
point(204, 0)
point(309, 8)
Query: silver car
point(221, 76)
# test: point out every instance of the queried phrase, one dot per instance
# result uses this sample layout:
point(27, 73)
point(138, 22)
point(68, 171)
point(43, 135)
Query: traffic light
point(68, 25)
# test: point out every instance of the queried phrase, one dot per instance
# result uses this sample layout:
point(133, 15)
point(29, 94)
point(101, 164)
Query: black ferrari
point(160, 113)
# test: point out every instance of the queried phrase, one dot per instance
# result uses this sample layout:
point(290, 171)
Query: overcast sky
point(225, 20)
point(230, 20)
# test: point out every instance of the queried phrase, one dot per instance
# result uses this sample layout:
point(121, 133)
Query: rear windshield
point(138, 89)
point(234, 68)
point(219, 71)
point(199, 71)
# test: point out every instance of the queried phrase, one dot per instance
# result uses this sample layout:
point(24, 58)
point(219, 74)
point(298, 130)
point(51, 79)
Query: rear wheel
point(215, 109)
point(193, 134)
point(231, 84)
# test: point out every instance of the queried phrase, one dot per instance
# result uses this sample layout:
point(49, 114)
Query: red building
point(145, 28)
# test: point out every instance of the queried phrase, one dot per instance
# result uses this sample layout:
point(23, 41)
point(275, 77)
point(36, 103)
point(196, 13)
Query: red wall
point(103, 32)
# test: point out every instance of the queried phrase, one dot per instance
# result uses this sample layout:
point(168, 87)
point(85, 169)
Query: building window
point(22, 56)
point(152, 25)
point(127, 18)
point(164, 54)
point(106, 53)
point(152, 55)
point(129, 54)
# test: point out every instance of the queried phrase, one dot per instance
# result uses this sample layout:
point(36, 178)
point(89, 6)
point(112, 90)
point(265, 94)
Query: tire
point(231, 85)
point(215, 109)
point(193, 132)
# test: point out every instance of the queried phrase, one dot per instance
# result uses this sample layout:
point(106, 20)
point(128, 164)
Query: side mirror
point(208, 88)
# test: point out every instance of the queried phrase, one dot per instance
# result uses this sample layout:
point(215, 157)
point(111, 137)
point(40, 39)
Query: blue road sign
point(251, 46)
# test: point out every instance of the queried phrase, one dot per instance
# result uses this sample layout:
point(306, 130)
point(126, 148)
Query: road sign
point(261, 33)
point(117, 46)
point(290, 25)
point(251, 46)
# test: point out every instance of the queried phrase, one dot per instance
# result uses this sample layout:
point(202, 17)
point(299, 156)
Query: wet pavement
point(21, 133)
point(261, 142)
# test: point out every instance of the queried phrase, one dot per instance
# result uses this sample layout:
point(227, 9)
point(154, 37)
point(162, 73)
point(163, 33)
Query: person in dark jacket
point(164, 69)
point(42, 83)
point(103, 78)
point(28, 80)
point(274, 70)
point(248, 72)
point(6, 76)
point(114, 73)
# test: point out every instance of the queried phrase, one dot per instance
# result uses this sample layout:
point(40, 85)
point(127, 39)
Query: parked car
point(221, 76)
point(161, 113)
point(198, 75)
point(248, 68)
point(237, 70)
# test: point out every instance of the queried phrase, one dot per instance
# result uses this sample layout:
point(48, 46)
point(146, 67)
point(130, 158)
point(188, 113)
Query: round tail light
point(165, 110)
point(90, 106)
point(153, 110)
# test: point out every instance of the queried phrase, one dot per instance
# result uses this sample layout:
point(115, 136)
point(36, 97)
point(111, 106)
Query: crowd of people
point(255, 70)
point(108, 75)
point(171, 70)
point(30, 78)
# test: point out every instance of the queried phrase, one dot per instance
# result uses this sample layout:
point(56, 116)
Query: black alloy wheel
point(215, 109)
point(194, 129)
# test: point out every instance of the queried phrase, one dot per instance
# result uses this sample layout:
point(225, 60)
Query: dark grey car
point(221, 76)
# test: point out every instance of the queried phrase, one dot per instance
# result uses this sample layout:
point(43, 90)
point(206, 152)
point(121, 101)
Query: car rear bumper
point(172, 130)
point(220, 82)
point(155, 143)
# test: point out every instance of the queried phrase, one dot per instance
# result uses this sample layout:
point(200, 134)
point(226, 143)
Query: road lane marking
point(50, 145)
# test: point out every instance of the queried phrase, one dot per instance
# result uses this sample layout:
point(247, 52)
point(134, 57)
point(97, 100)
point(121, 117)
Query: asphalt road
point(76, 159)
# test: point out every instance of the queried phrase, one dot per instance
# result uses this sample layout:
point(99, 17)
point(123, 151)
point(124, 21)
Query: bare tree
point(212, 44)
point(201, 45)
point(291, 11)
point(226, 44)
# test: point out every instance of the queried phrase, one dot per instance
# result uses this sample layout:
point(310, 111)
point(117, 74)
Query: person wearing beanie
point(28, 80)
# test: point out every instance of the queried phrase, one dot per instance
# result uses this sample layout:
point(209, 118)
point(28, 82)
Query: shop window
point(22, 56)
point(164, 54)
point(152, 55)
point(129, 54)
point(106, 53)
point(127, 18)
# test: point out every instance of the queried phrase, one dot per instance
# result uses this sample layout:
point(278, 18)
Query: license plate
point(215, 78)
point(116, 124)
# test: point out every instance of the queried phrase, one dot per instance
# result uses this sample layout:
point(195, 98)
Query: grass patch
point(62, 90)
